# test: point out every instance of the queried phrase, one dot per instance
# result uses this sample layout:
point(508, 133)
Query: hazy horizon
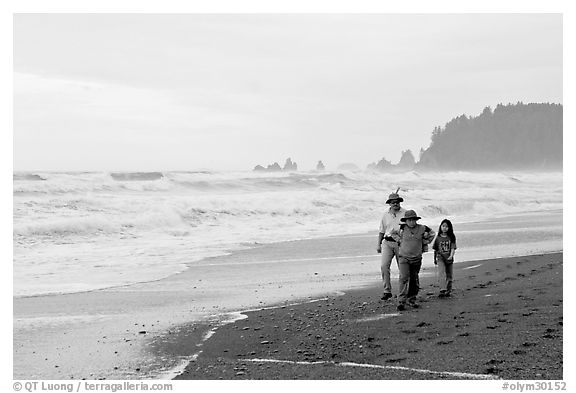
point(178, 92)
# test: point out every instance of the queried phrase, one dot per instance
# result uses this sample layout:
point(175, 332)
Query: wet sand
point(116, 333)
point(107, 333)
point(504, 320)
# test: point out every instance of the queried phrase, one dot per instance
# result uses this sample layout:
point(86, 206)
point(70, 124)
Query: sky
point(147, 92)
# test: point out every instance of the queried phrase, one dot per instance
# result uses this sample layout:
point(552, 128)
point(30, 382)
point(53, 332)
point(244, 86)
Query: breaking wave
point(137, 176)
point(175, 218)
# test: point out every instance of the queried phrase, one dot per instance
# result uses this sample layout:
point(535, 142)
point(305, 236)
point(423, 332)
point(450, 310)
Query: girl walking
point(444, 248)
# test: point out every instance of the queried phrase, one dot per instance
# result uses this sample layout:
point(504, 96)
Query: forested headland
point(514, 136)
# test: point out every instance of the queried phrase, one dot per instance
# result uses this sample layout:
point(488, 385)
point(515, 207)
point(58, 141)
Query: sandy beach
point(154, 329)
point(504, 321)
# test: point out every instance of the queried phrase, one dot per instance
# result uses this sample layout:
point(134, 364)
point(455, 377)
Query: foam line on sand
point(472, 267)
point(378, 366)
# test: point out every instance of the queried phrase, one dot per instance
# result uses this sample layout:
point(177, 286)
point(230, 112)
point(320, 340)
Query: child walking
point(411, 238)
point(444, 248)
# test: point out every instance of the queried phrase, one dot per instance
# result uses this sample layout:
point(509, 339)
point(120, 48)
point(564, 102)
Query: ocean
point(80, 231)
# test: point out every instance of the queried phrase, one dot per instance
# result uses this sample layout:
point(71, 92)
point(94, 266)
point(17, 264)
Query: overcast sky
point(189, 91)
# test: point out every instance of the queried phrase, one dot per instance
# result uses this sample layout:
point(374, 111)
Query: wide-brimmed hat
point(394, 197)
point(410, 214)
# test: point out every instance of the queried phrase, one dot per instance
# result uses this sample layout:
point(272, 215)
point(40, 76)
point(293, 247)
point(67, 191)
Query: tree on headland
point(510, 136)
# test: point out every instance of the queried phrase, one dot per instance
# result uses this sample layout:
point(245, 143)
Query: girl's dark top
point(443, 245)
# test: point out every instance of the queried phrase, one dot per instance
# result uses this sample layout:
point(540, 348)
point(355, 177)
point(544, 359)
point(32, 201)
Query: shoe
point(447, 294)
point(442, 293)
point(386, 296)
point(400, 307)
point(412, 303)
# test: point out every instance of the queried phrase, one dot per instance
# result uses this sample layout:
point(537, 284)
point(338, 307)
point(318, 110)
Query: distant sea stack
point(407, 160)
point(520, 136)
point(406, 163)
point(320, 166)
point(382, 165)
point(288, 166)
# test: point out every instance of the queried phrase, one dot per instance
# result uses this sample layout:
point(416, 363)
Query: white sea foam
point(80, 231)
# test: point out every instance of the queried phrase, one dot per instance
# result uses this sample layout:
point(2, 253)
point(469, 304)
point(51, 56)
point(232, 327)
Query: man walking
point(411, 238)
point(386, 244)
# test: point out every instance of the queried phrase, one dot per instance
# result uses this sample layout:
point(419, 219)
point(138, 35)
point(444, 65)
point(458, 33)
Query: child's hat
point(394, 197)
point(410, 214)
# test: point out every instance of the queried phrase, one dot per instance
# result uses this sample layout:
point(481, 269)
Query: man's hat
point(410, 214)
point(394, 197)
